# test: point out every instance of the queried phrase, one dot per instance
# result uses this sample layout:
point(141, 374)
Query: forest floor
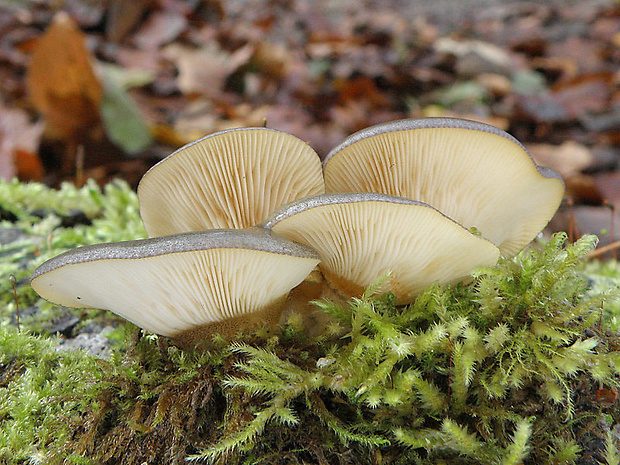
point(156, 75)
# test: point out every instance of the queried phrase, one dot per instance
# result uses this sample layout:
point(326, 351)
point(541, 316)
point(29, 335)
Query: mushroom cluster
point(239, 218)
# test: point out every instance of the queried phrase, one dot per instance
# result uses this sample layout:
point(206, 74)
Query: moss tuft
point(517, 366)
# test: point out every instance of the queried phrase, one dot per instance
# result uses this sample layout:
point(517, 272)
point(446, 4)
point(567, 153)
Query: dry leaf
point(123, 16)
point(475, 57)
point(271, 60)
point(584, 94)
point(568, 159)
point(496, 84)
point(606, 397)
point(583, 189)
point(161, 28)
point(61, 82)
point(29, 166)
point(609, 185)
point(204, 71)
point(569, 100)
point(19, 140)
point(588, 220)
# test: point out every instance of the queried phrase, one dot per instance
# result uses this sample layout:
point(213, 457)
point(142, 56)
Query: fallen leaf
point(557, 68)
point(61, 81)
point(28, 166)
point(204, 71)
point(609, 185)
point(161, 28)
point(124, 123)
point(568, 159)
point(85, 14)
point(606, 397)
point(496, 84)
point(583, 189)
point(123, 16)
point(167, 135)
point(19, 138)
point(588, 220)
point(197, 119)
point(359, 88)
point(587, 93)
point(271, 60)
point(475, 57)
point(584, 53)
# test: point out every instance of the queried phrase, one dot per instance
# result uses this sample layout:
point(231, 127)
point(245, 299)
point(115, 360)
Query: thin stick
point(573, 234)
point(612, 239)
point(79, 167)
point(603, 250)
point(13, 282)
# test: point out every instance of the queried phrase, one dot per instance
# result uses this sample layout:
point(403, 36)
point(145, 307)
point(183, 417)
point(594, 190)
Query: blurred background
point(105, 89)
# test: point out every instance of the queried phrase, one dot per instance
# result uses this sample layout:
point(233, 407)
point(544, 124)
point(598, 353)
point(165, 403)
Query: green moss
point(602, 276)
point(39, 223)
point(517, 366)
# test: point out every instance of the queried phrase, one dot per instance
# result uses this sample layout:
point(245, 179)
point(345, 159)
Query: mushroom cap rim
point(435, 123)
point(255, 238)
point(216, 134)
point(321, 200)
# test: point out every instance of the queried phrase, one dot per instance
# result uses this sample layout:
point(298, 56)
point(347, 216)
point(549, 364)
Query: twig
point(13, 282)
point(603, 250)
point(79, 166)
point(612, 239)
point(573, 232)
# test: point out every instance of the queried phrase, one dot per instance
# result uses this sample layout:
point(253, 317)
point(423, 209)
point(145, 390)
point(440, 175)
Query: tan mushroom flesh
point(230, 179)
point(472, 172)
point(222, 280)
point(363, 237)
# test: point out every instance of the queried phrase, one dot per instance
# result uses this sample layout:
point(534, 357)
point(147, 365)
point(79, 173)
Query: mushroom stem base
point(268, 316)
point(391, 283)
point(300, 299)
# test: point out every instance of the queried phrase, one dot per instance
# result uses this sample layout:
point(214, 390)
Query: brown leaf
point(497, 84)
point(583, 190)
point(271, 60)
point(18, 138)
point(569, 100)
point(609, 185)
point(359, 88)
point(29, 166)
point(586, 93)
point(586, 54)
point(204, 71)
point(475, 57)
point(568, 159)
point(588, 220)
point(606, 397)
point(161, 28)
point(123, 16)
point(61, 82)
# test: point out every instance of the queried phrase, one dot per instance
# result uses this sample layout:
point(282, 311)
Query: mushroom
point(230, 179)
point(477, 174)
point(362, 237)
point(185, 286)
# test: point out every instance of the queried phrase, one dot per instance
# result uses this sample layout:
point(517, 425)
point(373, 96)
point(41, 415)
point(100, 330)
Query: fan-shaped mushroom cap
point(362, 237)
point(477, 174)
point(230, 179)
point(177, 284)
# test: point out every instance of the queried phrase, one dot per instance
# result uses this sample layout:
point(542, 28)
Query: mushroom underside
point(173, 293)
point(480, 179)
point(410, 245)
point(231, 179)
